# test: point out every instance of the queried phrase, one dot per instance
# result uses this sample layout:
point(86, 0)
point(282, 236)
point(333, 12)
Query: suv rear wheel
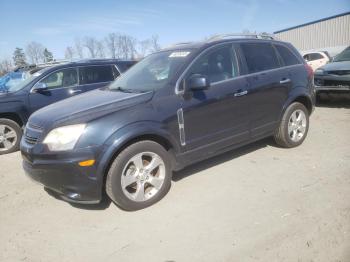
point(10, 136)
point(294, 126)
point(139, 176)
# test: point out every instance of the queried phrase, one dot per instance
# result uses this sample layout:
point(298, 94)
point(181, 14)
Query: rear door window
point(287, 56)
point(259, 57)
point(95, 74)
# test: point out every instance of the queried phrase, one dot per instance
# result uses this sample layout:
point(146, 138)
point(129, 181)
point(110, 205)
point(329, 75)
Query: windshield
point(343, 56)
point(16, 86)
point(152, 73)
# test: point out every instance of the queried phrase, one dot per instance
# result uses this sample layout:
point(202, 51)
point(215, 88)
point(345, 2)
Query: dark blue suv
point(47, 86)
point(176, 107)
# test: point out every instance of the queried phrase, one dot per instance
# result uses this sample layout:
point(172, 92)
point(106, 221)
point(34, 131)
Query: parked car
point(176, 107)
point(317, 59)
point(47, 86)
point(335, 76)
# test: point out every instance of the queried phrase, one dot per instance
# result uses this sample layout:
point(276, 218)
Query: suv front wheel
point(139, 176)
point(293, 127)
point(10, 136)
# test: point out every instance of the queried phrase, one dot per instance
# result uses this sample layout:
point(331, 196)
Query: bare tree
point(92, 45)
point(35, 52)
point(155, 43)
point(5, 66)
point(144, 47)
point(69, 53)
point(100, 49)
point(112, 42)
point(79, 49)
point(127, 46)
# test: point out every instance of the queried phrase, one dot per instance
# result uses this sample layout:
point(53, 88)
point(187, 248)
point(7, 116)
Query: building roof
point(313, 22)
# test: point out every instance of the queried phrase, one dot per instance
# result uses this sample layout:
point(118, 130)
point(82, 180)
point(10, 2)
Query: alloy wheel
point(8, 137)
point(143, 176)
point(297, 125)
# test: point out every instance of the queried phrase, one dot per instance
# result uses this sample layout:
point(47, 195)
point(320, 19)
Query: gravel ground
point(258, 203)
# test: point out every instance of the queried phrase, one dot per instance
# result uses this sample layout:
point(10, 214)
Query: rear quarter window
point(125, 66)
point(259, 56)
point(287, 56)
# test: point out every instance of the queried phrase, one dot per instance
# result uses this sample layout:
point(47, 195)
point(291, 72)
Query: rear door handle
point(74, 91)
point(285, 81)
point(243, 93)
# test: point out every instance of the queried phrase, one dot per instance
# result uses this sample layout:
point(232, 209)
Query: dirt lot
point(260, 203)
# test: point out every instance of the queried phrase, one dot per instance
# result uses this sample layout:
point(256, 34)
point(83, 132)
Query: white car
point(316, 59)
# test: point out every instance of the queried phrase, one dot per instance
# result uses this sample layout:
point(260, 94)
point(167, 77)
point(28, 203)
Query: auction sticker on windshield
point(179, 54)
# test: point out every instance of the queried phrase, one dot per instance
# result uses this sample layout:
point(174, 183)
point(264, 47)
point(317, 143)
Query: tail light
point(310, 71)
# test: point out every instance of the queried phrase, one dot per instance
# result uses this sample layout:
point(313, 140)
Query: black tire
point(113, 182)
point(13, 125)
point(282, 136)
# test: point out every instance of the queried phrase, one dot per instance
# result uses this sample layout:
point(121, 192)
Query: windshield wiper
point(124, 90)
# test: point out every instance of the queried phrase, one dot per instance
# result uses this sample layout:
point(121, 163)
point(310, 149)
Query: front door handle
point(242, 93)
point(72, 92)
point(285, 81)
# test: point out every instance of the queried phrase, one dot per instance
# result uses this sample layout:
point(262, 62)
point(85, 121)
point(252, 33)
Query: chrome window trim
point(181, 92)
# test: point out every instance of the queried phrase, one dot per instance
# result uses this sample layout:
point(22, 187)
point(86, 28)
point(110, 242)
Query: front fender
point(132, 131)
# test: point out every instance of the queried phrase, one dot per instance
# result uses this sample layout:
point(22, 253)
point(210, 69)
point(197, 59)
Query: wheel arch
point(127, 136)
point(300, 96)
point(305, 101)
point(14, 117)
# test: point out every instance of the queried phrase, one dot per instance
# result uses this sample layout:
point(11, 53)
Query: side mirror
point(39, 88)
point(197, 82)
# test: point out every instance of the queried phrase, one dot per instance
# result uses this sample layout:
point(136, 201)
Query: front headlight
point(319, 71)
point(64, 138)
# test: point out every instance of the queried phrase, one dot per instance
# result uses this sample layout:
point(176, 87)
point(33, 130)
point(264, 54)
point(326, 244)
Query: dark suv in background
point(47, 86)
point(176, 107)
point(334, 77)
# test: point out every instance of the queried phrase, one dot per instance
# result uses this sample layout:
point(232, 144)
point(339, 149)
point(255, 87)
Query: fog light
point(90, 162)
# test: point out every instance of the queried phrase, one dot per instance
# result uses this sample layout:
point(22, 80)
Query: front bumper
point(332, 83)
point(338, 89)
point(62, 174)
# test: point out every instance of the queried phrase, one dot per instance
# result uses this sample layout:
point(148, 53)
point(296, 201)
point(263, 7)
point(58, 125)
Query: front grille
point(336, 83)
point(34, 126)
point(30, 140)
point(339, 72)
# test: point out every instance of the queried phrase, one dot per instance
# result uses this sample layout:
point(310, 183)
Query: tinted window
point(217, 65)
point(95, 74)
point(288, 57)
point(61, 78)
point(343, 56)
point(259, 56)
point(313, 56)
point(125, 66)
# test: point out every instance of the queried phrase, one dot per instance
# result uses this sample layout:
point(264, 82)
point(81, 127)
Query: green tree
point(48, 56)
point(19, 58)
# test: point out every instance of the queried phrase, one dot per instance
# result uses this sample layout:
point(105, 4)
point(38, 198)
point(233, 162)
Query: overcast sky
point(56, 24)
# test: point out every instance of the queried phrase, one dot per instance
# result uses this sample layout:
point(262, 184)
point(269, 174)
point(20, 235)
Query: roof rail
point(179, 44)
point(51, 63)
point(241, 35)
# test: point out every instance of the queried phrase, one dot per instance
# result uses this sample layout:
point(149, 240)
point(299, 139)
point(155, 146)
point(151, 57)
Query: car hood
point(344, 65)
point(86, 107)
